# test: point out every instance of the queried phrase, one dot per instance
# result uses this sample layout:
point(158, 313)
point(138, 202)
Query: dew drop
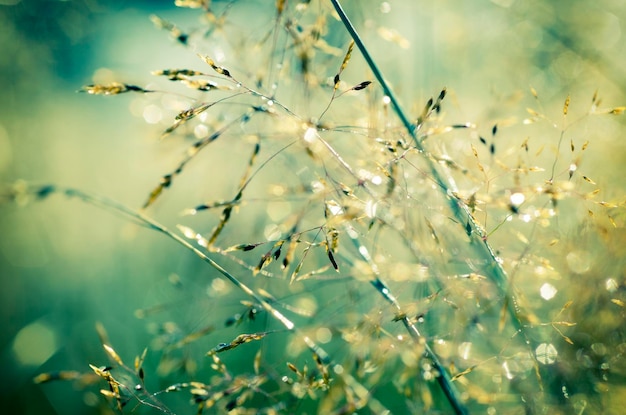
point(323, 335)
point(188, 232)
point(220, 55)
point(385, 7)
point(386, 100)
point(200, 131)
point(517, 199)
point(546, 353)
point(611, 285)
point(334, 208)
point(370, 209)
point(578, 262)
point(278, 190)
point(219, 287)
point(352, 233)
point(310, 135)
point(464, 350)
point(427, 369)
point(443, 348)
point(547, 291)
point(317, 186)
point(507, 370)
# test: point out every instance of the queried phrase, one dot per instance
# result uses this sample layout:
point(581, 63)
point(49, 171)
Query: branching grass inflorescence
point(339, 224)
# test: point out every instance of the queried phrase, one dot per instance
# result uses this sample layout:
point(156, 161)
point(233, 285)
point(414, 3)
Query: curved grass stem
point(139, 217)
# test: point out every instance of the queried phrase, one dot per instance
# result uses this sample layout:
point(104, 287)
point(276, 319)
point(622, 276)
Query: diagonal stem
point(443, 378)
point(379, 76)
point(141, 218)
point(460, 210)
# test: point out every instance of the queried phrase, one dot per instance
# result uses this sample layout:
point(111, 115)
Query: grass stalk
point(139, 217)
point(460, 211)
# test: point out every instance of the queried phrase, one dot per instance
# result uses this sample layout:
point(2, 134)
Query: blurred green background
point(65, 265)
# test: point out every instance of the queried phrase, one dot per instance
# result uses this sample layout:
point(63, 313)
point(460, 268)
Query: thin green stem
point(460, 210)
point(444, 379)
point(141, 218)
point(374, 68)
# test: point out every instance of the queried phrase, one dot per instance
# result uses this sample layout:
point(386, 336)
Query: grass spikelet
point(114, 88)
point(167, 179)
point(184, 116)
point(193, 4)
point(54, 376)
point(344, 64)
point(617, 110)
point(566, 105)
point(220, 70)
point(280, 6)
point(177, 74)
point(173, 30)
point(239, 340)
point(113, 354)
